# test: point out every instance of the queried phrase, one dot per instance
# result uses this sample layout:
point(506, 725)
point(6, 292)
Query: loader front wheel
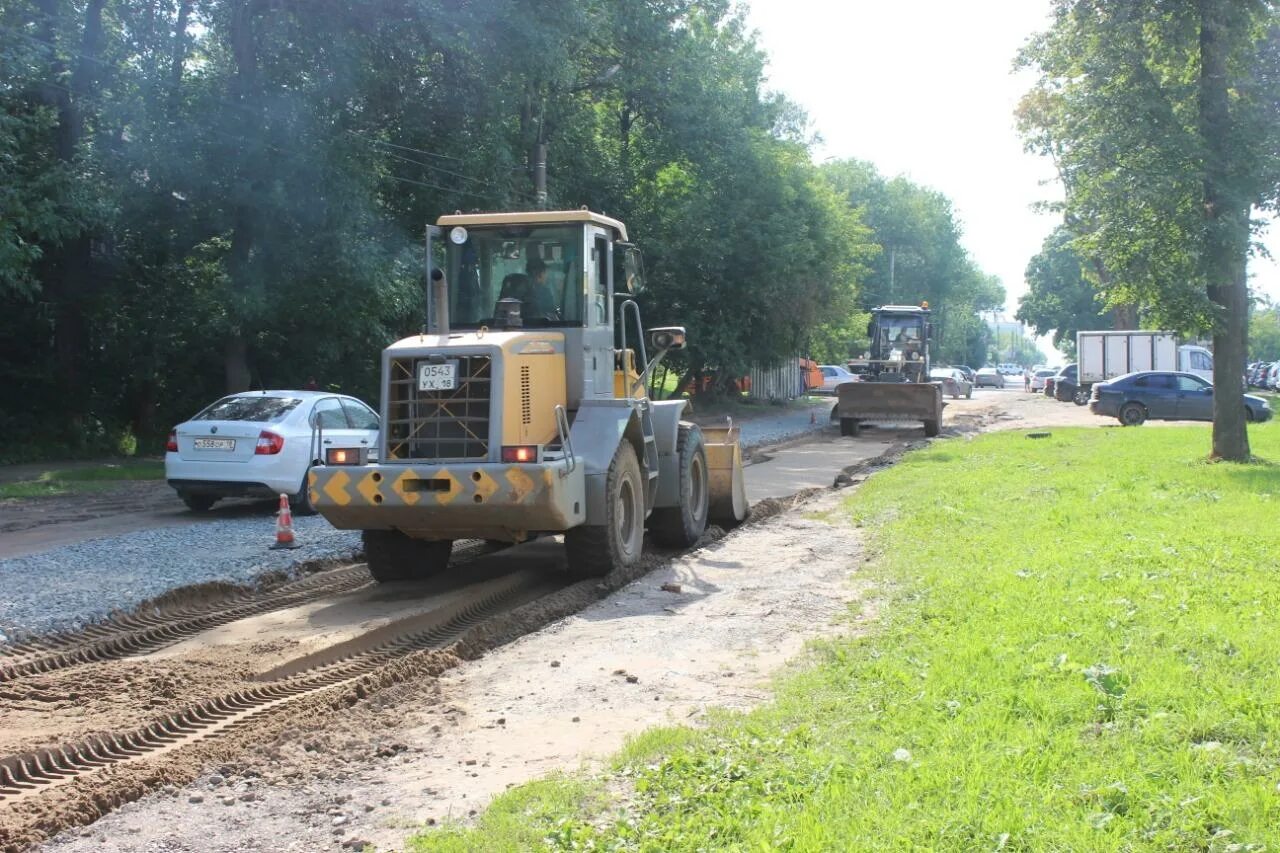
point(682, 526)
point(850, 427)
point(393, 556)
point(931, 429)
point(594, 550)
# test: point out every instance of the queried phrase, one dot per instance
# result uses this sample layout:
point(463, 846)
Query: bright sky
point(926, 89)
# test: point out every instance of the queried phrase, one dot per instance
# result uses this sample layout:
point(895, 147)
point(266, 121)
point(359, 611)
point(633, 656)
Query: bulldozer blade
point(889, 401)
point(727, 485)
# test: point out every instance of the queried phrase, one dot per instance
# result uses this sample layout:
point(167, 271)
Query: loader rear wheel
point(682, 526)
point(850, 426)
point(393, 556)
point(931, 429)
point(595, 550)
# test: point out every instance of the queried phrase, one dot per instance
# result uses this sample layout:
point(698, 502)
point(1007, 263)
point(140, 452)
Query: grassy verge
point(1076, 651)
point(79, 480)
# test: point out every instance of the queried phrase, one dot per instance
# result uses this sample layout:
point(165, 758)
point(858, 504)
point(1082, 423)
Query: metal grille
point(526, 397)
point(439, 425)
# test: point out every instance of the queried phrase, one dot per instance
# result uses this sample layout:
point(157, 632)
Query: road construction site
point(328, 711)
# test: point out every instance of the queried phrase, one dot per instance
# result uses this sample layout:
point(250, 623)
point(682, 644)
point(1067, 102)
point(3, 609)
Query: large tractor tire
point(931, 429)
point(682, 526)
point(850, 427)
point(595, 550)
point(393, 556)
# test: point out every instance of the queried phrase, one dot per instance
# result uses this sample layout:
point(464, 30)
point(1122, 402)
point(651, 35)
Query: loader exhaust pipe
point(437, 295)
point(439, 303)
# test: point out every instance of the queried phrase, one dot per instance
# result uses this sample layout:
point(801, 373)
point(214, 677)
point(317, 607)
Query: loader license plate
point(438, 376)
point(215, 444)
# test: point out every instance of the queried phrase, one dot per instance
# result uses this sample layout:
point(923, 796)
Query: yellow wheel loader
point(522, 409)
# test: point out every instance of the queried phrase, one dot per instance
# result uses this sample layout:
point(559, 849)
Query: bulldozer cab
point(899, 344)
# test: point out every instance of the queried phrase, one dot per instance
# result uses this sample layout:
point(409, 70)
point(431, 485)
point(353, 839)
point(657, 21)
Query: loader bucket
point(889, 401)
point(728, 487)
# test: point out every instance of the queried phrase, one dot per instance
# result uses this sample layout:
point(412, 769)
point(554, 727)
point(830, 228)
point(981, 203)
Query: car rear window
point(260, 409)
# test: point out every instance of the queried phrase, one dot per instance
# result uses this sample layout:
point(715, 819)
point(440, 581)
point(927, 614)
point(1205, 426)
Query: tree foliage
point(1163, 121)
point(920, 258)
point(203, 195)
point(1060, 298)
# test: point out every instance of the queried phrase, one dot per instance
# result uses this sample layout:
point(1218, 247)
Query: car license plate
point(215, 444)
point(438, 376)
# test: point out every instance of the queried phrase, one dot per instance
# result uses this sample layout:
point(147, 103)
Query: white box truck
point(1106, 355)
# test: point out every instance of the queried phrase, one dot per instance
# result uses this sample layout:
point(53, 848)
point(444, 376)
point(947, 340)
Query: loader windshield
point(540, 266)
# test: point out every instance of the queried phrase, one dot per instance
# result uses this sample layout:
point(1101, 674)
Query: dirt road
point(436, 740)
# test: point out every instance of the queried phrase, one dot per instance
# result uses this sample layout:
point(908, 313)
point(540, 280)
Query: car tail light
point(171, 446)
point(269, 443)
point(521, 453)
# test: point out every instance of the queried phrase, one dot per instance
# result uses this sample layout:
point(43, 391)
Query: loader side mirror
point(667, 338)
point(630, 262)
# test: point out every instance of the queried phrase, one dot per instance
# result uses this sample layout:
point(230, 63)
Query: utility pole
point(540, 172)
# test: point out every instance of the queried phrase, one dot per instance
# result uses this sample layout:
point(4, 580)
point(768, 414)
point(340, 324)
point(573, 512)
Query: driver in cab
point(539, 299)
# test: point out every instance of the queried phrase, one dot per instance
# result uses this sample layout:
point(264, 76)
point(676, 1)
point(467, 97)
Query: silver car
point(953, 382)
point(262, 443)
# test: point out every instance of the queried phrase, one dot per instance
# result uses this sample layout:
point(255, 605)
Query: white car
point(834, 375)
point(261, 444)
point(1038, 378)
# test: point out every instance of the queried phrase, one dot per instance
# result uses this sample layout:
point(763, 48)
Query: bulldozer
point(522, 409)
point(894, 374)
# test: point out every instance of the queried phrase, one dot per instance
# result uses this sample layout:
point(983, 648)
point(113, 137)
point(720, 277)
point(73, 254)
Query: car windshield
point(261, 409)
point(541, 266)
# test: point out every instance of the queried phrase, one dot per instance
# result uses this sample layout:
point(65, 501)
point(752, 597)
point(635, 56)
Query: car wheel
point(198, 503)
point(1080, 397)
point(968, 395)
point(1132, 414)
point(300, 502)
point(1248, 415)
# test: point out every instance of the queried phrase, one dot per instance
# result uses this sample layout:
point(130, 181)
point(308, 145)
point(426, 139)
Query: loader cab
point(552, 270)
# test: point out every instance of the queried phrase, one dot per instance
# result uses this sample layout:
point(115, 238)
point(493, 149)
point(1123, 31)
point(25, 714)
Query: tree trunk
point(244, 217)
point(66, 266)
point(1226, 240)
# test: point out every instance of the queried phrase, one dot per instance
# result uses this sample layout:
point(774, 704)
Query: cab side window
point(600, 286)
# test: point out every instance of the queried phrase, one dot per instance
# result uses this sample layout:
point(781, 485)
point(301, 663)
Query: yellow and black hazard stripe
point(512, 485)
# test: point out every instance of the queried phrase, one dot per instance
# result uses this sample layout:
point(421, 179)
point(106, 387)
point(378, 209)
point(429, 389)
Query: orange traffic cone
point(284, 526)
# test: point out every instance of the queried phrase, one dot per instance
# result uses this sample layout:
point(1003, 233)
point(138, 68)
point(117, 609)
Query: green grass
point(1076, 649)
point(81, 480)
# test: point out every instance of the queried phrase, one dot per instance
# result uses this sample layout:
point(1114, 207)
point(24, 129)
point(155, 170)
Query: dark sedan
point(1164, 396)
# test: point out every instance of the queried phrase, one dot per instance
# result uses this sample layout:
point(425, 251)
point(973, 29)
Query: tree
point(1163, 120)
point(920, 258)
point(1059, 298)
